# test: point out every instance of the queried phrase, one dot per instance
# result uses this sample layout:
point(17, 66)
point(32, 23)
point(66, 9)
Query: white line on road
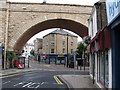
point(27, 84)
point(19, 84)
point(31, 85)
point(42, 83)
point(37, 86)
point(6, 82)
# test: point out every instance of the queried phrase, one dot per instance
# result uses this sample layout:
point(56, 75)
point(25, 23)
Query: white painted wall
point(110, 68)
point(92, 24)
point(28, 48)
point(93, 21)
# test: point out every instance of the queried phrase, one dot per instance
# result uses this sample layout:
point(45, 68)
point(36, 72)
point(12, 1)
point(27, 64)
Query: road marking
point(6, 82)
point(18, 74)
point(37, 86)
point(31, 85)
point(19, 84)
point(27, 84)
point(57, 80)
point(24, 73)
point(42, 83)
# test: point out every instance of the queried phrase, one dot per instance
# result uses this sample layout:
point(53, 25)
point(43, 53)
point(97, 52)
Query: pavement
point(78, 81)
point(72, 81)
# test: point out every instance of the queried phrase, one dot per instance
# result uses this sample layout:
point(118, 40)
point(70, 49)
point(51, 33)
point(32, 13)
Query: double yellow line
point(15, 74)
point(57, 80)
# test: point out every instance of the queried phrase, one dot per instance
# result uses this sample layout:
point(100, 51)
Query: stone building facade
point(38, 43)
point(58, 44)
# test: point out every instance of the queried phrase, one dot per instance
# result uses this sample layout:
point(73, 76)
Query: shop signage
point(60, 55)
point(113, 9)
point(43, 56)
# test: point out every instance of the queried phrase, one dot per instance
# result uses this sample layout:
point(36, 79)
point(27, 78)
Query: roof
point(62, 32)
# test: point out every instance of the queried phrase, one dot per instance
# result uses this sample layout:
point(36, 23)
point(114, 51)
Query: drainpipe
point(6, 36)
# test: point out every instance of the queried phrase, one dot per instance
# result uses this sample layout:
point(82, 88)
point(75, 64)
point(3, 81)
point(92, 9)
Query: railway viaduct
point(20, 21)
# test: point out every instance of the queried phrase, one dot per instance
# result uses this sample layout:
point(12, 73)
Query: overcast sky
point(78, 2)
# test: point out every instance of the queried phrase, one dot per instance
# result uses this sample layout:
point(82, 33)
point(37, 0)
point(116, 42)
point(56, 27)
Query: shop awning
point(101, 41)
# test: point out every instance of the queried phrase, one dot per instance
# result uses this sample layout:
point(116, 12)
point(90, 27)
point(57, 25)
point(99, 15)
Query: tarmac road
point(36, 79)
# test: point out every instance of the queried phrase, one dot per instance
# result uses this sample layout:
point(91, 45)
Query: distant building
point(27, 48)
point(57, 44)
point(38, 45)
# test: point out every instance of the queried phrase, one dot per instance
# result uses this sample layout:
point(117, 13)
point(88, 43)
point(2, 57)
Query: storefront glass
point(106, 69)
point(102, 66)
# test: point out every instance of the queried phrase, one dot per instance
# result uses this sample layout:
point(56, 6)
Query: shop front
point(56, 59)
point(100, 48)
point(115, 37)
point(113, 17)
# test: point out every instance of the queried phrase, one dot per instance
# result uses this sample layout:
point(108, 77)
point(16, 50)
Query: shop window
point(106, 69)
point(102, 67)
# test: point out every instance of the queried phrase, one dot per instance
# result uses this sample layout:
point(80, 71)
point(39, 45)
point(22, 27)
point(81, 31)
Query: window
point(71, 43)
point(104, 68)
point(46, 43)
point(52, 35)
point(63, 50)
point(72, 38)
point(63, 37)
point(71, 50)
point(63, 43)
point(52, 42)
point(52, 50)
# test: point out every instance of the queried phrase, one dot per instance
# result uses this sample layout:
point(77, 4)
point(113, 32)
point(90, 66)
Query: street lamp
point(2, 57)
point(67, 51)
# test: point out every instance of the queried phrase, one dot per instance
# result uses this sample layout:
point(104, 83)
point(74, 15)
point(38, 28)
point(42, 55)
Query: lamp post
point(2, 57)
point(28, 61)
point(67, 51)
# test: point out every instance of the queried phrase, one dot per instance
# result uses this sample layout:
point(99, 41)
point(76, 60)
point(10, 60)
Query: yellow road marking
point(25, 73)
point(57, 80)
point(15, 74)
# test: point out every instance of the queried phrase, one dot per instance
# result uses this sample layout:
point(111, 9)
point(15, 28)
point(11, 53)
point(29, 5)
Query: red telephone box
point(21, 62)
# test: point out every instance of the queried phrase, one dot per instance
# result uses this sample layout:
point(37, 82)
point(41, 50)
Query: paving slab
point(78, 81)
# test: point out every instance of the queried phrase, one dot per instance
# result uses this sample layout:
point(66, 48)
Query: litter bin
point(71, 64)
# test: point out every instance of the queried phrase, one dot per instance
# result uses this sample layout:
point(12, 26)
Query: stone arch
point(71, 25)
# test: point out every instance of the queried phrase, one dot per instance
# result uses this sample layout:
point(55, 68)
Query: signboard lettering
point(113, 9)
